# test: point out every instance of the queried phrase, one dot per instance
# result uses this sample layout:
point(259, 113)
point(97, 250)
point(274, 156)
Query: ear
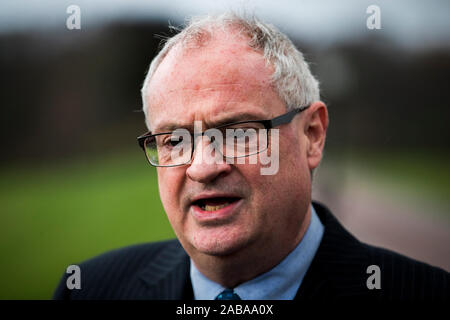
point(316, 125)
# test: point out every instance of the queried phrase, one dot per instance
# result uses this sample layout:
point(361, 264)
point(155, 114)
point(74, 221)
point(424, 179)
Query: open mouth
point(214, 204)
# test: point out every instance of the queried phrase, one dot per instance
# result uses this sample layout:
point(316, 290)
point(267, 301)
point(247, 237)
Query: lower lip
point(218, 215)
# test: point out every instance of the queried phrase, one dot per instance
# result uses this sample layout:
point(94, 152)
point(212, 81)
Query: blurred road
point(381, 217)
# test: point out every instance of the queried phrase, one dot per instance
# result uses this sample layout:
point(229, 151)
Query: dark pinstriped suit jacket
point(338, 271)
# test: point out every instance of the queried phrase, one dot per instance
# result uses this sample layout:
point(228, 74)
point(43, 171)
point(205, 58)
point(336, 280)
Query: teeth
point(214, 208)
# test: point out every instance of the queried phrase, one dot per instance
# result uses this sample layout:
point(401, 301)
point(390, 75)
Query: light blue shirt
point(280, 283)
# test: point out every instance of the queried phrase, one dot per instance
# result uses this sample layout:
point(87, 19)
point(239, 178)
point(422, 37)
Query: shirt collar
point(280, 283)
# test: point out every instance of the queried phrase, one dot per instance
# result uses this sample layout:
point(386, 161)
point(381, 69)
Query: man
point(243, 233)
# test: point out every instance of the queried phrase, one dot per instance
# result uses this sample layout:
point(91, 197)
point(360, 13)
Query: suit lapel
point(339, 266)
point(167, 276)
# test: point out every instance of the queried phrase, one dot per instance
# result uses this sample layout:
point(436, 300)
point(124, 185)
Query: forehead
point(223, 77)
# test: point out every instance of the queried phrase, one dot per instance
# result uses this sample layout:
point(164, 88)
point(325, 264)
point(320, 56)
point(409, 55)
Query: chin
point(215, 246)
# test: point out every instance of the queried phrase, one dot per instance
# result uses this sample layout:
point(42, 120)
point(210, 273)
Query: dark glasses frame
point(268, 124)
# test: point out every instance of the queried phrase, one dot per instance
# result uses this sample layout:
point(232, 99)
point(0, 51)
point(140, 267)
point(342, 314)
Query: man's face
point(222, 82)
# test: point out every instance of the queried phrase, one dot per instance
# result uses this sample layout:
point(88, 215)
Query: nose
point(205, 166)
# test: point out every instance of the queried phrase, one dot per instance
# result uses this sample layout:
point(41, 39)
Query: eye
point(173, 141)
point(239, 133)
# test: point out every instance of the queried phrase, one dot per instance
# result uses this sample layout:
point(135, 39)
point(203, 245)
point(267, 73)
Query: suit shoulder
point(113, 274)
point(131, 255)
point(406, 278)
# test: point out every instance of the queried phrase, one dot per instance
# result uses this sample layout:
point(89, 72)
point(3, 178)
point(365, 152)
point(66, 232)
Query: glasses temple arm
point(286, 118)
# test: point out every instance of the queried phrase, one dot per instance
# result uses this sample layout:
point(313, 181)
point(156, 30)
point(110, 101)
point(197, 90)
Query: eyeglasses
point(232, 140)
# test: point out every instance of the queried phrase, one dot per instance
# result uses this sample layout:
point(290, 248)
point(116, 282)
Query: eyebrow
point(171, 127)
point(245, 116)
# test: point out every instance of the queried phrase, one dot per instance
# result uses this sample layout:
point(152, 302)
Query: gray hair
point(292, 77)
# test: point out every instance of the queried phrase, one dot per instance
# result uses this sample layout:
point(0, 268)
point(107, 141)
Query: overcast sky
point(408, 22)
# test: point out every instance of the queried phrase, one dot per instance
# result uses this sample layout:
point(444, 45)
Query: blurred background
point(74, 183)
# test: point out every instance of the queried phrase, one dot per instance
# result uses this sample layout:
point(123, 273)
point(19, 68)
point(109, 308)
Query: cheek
point(290, 183)
point(263, 188)
point(169, 182)
point(293, 162)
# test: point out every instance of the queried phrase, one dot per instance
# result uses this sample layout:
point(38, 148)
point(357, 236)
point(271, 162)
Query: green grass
point(56, 216)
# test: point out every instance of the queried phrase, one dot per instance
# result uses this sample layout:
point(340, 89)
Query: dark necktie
point(228, 294)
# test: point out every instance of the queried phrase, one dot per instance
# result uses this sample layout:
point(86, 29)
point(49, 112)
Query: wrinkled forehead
point(224, 71)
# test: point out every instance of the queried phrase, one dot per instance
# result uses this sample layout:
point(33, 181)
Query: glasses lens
point(172, 149)
point(150, 150)
point(244, 139)
point(234, 141)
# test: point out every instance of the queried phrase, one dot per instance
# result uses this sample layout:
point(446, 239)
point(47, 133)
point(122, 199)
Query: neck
point(256, 259)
